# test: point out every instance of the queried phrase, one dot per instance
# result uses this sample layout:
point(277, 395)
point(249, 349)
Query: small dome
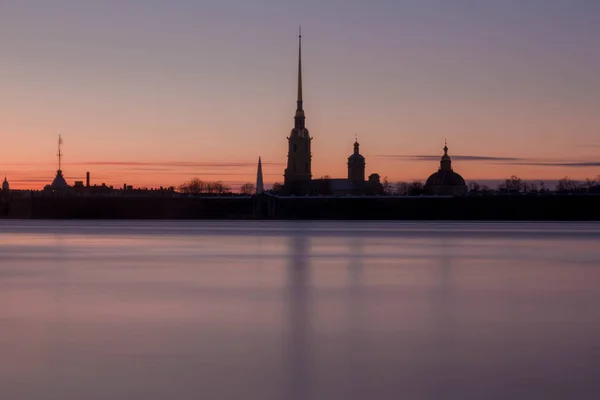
point(5, 185)
point(445, 178)
point(59, 181)
point(356, 156)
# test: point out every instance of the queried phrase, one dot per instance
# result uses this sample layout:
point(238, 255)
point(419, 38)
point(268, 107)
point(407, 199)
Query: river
point(299, 310)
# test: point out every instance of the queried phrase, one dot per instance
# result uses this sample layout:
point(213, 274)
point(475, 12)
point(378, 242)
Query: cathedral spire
point(300, 68)
point(300, 117)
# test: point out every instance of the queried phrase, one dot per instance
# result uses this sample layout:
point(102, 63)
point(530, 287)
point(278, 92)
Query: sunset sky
point(154, 92)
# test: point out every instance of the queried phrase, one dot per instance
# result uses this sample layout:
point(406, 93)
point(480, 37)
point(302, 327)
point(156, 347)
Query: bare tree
point(402, 189)
point(543, 186)
point(416, 188)
point(387, 187)
point(221, 188)
point(247, 188)
point(590, 183)
point(194, 186)
point(277, 188)
point(567, 185)
point(474, 187)
point(529, 187)
point(513, 184)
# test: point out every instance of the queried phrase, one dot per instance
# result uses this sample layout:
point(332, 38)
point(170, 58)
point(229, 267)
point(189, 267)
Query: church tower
point(298, 174)
point(356, 165)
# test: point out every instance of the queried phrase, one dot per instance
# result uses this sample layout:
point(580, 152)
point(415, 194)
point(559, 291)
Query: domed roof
point(5, 185)
point(445, 178)
point(59, 181)
point(356, 156)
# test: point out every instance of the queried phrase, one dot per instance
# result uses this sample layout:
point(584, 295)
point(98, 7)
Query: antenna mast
point(59, 152)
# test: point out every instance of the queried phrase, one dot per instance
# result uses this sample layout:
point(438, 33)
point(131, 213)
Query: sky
point(152, 93)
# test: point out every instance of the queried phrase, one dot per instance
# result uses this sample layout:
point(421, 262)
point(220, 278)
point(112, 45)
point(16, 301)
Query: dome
point(5, 185)
point(445, 181)
point(356, 156)
point(445, 178)
point(59, 181)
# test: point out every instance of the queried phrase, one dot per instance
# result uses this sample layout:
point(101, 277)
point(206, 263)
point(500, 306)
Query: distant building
point(59, 184)
point(445, 181)
point(297, 176)
point(354, 184)
point(260, 187)
point(5, 198)
point(356, 166)
point(5, 190)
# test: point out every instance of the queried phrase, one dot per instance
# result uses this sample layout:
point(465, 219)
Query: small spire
point(259, 178)
point(445, 147)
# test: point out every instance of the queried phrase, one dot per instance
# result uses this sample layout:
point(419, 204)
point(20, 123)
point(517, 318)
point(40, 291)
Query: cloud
point(155, 164)
point(582, 164)
point(454, 157)
point(514, 161)
point(174, 164)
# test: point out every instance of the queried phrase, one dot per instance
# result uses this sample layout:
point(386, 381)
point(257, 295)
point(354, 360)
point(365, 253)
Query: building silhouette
point(445, 181)
point(260, 187)
point(356, 165)
point(5, 193)
point(59, 184)
point(298, 175)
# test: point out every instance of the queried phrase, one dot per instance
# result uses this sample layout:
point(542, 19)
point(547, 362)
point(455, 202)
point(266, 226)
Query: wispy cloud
point(514, 161)
point(582, 164)
point(174, 164)
point(163, 164)
point(454, 157)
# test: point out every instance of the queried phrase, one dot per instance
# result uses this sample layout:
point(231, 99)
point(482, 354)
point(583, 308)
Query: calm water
point(315, 310)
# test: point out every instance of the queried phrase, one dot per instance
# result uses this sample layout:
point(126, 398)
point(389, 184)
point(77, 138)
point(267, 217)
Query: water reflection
point(297, 348)
point(298, 311)
point(355, 319)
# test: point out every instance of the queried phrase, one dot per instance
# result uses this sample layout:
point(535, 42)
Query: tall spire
point(300, 117)
point(259, 178)
point(300, 68)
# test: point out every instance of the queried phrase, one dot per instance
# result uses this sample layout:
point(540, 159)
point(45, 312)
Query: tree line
point(198, 186)
point(514, 184)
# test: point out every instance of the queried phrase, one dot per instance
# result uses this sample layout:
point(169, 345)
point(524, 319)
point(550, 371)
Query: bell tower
point(298, 173)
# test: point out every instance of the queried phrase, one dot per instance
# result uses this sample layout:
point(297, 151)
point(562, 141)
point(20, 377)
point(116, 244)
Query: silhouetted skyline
point(154, 94)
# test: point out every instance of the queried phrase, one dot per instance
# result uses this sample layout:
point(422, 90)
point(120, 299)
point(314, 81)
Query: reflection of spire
point(300, 117)
point(355, 309)
point(300, 319)
point(259, 178)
